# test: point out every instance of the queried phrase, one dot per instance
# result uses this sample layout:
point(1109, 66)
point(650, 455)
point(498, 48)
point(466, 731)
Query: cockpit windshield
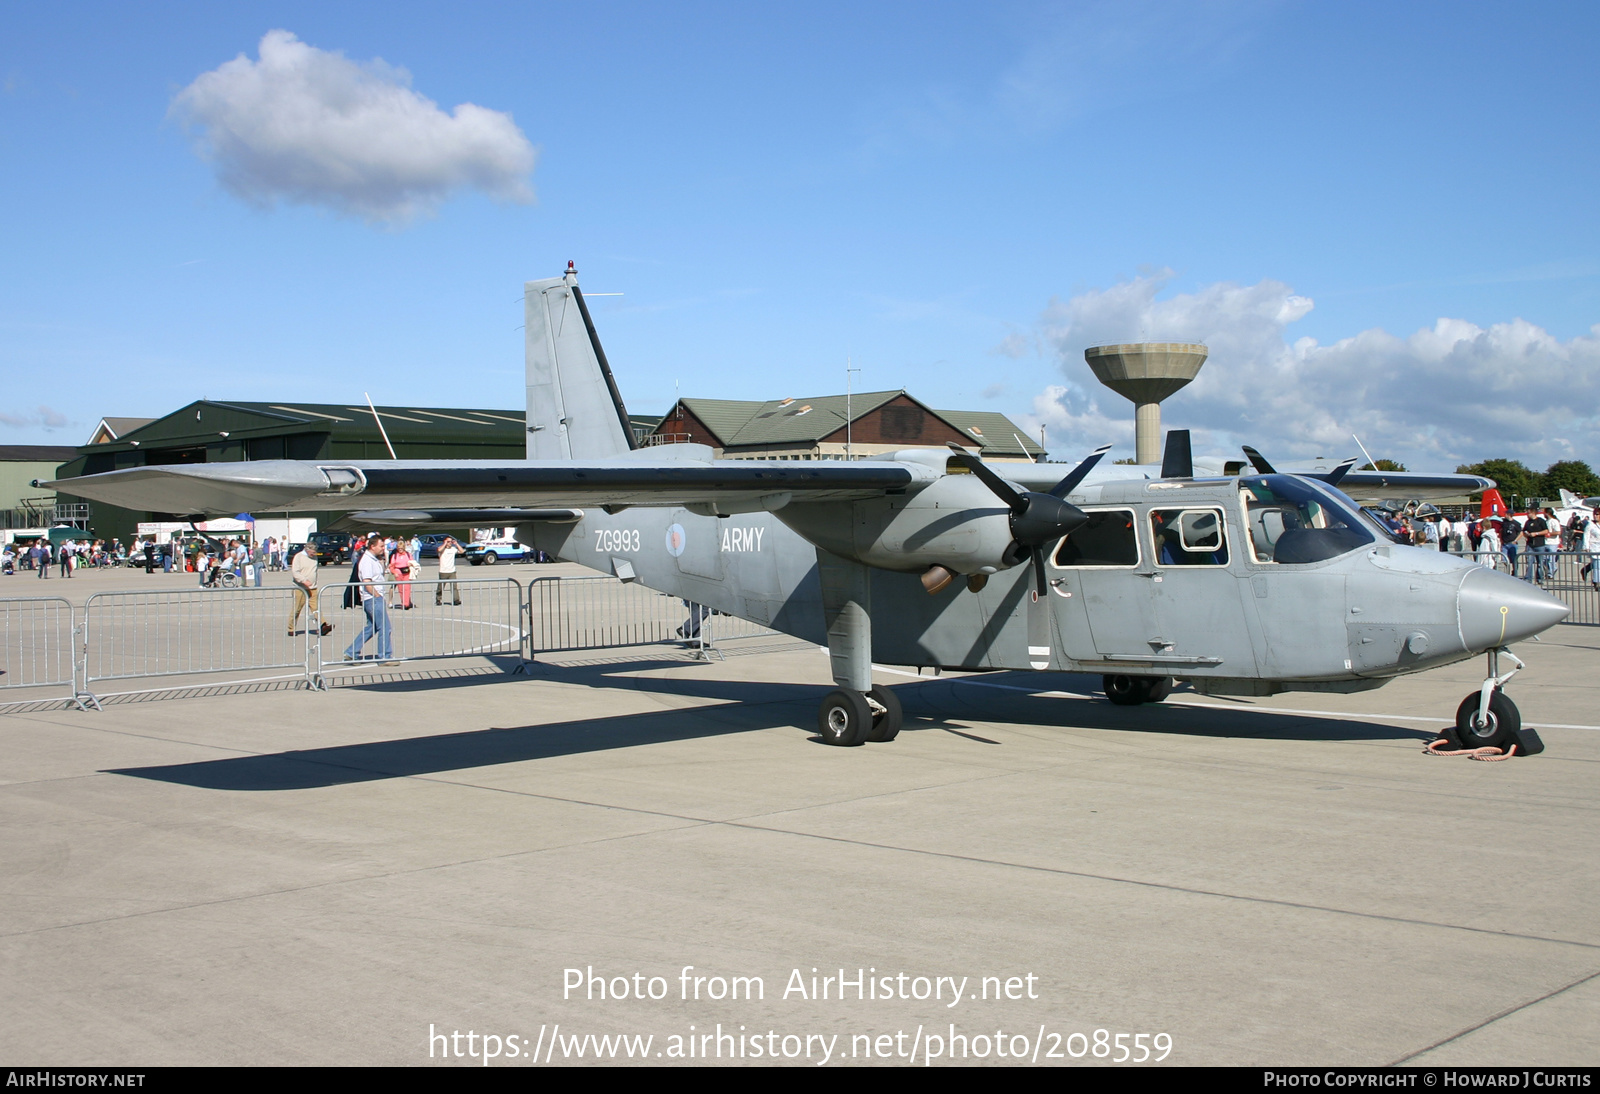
point(1293, 521)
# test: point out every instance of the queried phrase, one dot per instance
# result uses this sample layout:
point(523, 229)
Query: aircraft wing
point(1364, 486)
point(278, 486)
point(1378, 485)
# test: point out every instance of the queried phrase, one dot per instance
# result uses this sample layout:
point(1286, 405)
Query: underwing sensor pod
point(1245, 584)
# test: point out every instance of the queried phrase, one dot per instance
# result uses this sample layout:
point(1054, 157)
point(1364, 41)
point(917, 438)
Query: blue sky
point(1381, 217)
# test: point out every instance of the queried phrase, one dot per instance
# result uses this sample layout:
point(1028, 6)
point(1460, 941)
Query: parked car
point(331, 546)
point(430, 544)
point(498, 550)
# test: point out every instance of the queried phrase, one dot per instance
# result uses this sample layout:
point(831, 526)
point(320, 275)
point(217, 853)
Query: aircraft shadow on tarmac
point(742, 707)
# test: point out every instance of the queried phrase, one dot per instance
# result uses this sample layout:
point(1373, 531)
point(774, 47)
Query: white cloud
point(1012, 346)
point(44, 417)
point(309, 126)
point(1447, 394)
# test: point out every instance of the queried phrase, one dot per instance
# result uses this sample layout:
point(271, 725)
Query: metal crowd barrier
point(134, 635)
point(37, 648)
point(46, 643)
point(589, 613)
point(1569, 576)
point(461, 618)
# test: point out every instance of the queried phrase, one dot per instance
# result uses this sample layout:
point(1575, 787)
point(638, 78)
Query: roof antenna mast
point(382, 432)
point(1364, 451)
point(848, 420)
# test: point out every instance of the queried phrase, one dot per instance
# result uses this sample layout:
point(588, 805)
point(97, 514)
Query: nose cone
point(1497, 609)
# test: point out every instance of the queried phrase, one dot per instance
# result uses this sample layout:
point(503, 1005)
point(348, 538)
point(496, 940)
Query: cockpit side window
point(1107, 539)
point(1291, 522)
point(1189, 537)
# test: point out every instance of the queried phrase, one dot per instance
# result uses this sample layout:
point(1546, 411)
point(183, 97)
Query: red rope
point(1487, 753)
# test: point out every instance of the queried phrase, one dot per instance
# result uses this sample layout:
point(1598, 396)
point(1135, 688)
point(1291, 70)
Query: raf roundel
point(676, 540)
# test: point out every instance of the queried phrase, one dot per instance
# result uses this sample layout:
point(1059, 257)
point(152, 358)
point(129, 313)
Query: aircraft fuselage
point(1172, 586)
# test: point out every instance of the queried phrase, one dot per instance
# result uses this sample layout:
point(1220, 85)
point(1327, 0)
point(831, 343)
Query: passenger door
point(1199, 590)
point(1100, 583)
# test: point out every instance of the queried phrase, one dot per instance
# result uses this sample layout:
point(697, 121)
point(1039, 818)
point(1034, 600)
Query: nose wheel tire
point(845, 718)
point(885, 726)
point(1497, 730)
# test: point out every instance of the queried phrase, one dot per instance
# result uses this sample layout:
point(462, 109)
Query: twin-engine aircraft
point(1245, 584)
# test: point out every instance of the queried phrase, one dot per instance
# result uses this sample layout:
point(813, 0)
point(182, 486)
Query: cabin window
point(1189, 537)
point(1107, 539)
point(1293, 521)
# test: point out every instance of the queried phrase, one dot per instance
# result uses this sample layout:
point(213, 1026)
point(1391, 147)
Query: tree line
point(1515, 478)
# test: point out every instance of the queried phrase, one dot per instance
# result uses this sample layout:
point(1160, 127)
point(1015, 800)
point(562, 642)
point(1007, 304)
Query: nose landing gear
point(1487, 718)
point(1495, 727)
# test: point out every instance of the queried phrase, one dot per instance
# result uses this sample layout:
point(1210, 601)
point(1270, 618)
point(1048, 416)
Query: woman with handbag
point(400, 567)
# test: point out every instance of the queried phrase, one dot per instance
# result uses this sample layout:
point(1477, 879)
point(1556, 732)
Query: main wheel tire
point(1124, 691)
point(885, 726)
point(1157, 688)
point(845, 718)
point(1499, 731)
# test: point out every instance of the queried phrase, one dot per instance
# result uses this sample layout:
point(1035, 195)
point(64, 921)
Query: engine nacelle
point(955, 522)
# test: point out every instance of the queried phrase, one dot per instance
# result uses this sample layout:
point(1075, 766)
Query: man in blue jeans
point(1541, 553)
point(369, 572)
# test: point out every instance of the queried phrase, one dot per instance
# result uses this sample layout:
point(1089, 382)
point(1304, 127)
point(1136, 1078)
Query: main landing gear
point(1130, 691)
point(851, 717)
point(859, 711)
point(1487, 718)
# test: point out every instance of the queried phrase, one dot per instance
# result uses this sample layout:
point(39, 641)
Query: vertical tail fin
point(574, 408)
point(1493, 505)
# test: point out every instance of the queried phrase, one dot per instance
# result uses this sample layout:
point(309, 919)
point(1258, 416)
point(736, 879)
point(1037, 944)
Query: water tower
point(1146, 372)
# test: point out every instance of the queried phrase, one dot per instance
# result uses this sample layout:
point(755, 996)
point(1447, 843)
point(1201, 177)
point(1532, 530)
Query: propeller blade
point(1178, 461)
point(1339, 472)
point(995, 483)
point(1036, 519)
point(1039, 616)
point(1258, 461)
point(1075, 476)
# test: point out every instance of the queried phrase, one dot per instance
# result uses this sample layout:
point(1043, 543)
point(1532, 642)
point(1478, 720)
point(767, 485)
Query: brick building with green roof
point(815, 428)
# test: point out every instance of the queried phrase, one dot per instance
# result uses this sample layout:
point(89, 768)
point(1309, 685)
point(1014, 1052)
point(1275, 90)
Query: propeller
point(1037, 519)
point(1340, 472)
point(1332, 478)
point(1259, 462)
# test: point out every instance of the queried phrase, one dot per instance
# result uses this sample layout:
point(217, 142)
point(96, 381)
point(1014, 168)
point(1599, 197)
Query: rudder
point(574, 408)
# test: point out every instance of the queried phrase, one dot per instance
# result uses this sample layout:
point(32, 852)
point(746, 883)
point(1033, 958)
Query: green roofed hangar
point(208, 431)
